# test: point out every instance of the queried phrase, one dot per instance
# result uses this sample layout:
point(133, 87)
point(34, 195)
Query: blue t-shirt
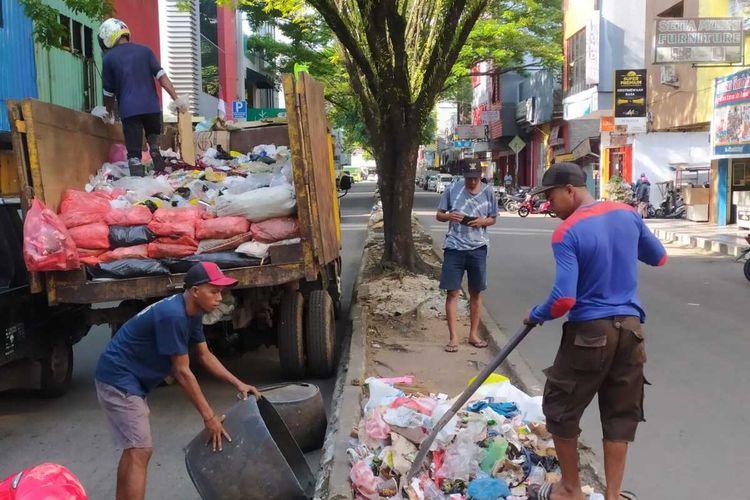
point(138, 357)
point(459, 199)
point(129, 72)
point(597, 250)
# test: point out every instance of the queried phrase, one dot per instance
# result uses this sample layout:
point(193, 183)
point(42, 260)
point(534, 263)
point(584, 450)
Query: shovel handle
point(464, 397)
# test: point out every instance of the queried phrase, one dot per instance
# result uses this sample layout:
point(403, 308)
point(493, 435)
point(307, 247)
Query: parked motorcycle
point(745, 255)
point(513, 201)
point(535, 206)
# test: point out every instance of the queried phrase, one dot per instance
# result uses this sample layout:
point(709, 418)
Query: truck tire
point(290, 335)
point(320, 334)
point(746, 269)
point(57, 369)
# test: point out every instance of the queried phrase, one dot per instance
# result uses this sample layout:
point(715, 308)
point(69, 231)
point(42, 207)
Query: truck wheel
point(746, 269)
point(290, 335)
point(320, 334)
point(57, 369)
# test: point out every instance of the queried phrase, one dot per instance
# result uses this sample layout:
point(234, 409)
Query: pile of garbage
point(497, 446)
point(229, 209)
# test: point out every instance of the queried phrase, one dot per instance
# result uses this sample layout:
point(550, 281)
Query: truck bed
point(57, 148)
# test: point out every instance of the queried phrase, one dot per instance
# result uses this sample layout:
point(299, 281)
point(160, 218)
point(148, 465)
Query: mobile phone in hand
point(468, 219)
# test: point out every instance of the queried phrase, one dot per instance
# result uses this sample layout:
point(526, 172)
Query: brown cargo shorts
point(604, 357)
point(127, 416)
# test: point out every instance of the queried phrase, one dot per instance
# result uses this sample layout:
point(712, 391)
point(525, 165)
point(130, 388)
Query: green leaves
point(47, 28)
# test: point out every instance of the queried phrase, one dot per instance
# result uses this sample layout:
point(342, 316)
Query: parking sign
point(239, 110)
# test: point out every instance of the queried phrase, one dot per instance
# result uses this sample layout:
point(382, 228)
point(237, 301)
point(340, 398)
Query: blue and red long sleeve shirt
point(596, 251)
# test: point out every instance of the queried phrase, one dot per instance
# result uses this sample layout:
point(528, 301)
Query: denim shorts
point(455, 262)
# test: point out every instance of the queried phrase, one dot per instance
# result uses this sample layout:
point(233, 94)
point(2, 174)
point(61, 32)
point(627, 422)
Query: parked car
point(432, 183)
point(444, 181)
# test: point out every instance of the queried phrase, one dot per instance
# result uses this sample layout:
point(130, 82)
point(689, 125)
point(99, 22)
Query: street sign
point(517, 144)
point(462, 144)
point(490, 116)
point(239, 110)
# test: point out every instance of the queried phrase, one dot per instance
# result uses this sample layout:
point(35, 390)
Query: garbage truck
point(291, 301)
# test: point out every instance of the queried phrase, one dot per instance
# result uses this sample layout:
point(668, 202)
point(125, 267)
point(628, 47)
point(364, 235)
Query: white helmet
point(111, 30)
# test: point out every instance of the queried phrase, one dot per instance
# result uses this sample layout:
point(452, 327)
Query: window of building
point(677, 10)
point(77, 37)
point(65, 33)
point(576, 56)
point(209, 33)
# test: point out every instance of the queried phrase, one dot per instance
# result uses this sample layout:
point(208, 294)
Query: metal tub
point(262, 462)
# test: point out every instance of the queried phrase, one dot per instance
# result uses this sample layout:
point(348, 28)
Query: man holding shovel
point(596, 249)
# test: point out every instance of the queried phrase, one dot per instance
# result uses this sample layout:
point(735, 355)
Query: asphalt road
point(695, 442)
point(71, 430)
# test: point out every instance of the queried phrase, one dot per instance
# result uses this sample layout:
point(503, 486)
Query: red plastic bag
point(93, 236)
point(132, 216)
point(221, 228)
point(89, 256)
point(175, 229)
point(117, 153)
point(42, 482)
point(47, 244)
point(136, 252)
point(178, 240)
point(78, 208)
point(273, 230)
point(158, 250)
point(185, 214)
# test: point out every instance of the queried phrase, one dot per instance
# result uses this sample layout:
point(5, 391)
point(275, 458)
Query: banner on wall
point(730, 124)
point(630, 107)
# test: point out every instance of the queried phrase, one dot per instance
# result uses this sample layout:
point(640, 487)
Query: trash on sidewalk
point(495, 447)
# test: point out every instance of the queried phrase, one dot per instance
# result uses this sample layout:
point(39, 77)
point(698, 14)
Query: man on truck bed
point(142, 353)
point(128, 75)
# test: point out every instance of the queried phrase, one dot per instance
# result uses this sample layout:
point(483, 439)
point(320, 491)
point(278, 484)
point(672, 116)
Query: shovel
point(461, 401)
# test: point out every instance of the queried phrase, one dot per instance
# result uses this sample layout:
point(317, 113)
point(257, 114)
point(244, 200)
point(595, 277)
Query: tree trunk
point(396, 156)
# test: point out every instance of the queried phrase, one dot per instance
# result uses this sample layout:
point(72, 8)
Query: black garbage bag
point(225, 260)
point(128, 268)
point(129, 236)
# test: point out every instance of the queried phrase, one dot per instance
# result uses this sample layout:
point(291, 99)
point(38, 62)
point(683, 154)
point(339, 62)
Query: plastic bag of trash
point(93, 236)
point(47, 244)
point(135, 252)
point(276, 229)
point(364, 480)
point(160, 250)
point(184, 228)
point(225, 260)
point(141, 188)
point(488, 489)
point(529, 407)
point(461, 459)
point(254, 249)
point(258, 205)
point(128, 268)
point(381, 394)
point(128, 236)
point(221, 228)
point(138, 215)
point(117, 153)
point(249, 183)
point(78, 208)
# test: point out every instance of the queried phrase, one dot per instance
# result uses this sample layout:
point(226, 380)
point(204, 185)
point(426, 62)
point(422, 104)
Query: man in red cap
point(147, 348)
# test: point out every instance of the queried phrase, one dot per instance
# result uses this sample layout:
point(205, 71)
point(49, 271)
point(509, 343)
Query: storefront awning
point(260, 80)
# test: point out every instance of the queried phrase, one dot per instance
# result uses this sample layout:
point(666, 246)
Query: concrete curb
point(333, 480)
point(699, 242)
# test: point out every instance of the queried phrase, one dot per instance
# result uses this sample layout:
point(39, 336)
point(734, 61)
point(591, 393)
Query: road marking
point(519, 231)
point(353, 227)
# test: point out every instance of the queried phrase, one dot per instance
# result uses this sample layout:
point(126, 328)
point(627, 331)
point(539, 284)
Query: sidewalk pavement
point(724, 240)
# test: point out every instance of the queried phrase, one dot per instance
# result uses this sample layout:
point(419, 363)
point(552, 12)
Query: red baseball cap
point(207, 273)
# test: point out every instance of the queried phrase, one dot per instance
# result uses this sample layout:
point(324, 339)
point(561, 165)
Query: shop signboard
point(630, 109)
point(730, 126)
point(592, 48)
point(716, 40)
point(471, 132)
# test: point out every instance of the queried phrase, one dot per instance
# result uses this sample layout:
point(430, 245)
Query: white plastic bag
point(101, 112)
point(530, 407)
point(380, 394)
point(258, 205)
point(254, 249)
point(140, 188)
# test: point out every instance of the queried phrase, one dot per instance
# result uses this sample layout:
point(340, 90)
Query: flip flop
point(543, 493)
point(628, 495)
point(479, 345)
point(451, 348)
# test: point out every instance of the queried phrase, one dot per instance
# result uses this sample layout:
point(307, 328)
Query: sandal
point(543, 493)
point(451, 348)
point(481, 344)
point(628, 495)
